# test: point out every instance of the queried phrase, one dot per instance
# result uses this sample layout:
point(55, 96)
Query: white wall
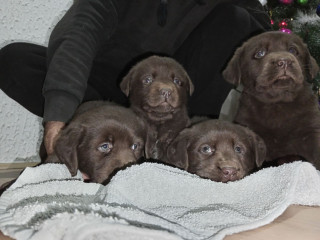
point(29, 21)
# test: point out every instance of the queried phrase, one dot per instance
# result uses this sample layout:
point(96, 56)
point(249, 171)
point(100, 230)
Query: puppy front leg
point(150, 144)
point(311, 149)
point(316, 153)
point(156, 147)
point(163, 142)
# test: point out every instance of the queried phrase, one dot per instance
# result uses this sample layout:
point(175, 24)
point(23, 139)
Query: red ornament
point(283, 24)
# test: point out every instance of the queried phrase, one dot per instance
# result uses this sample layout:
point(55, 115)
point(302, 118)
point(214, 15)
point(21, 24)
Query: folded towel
point(150, 201)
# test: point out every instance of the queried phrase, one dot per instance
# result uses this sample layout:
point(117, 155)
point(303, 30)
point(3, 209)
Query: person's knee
point(9, 58)
point(11, 51)
point(5, 60)
point(10, 54)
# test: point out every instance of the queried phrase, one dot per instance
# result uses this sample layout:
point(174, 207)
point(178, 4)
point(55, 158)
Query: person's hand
point(51, 131)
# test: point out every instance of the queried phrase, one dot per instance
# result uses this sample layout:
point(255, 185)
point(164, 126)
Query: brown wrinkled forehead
point(274, 40)
point(117, 115)
point(213, 128)
point(155, 63)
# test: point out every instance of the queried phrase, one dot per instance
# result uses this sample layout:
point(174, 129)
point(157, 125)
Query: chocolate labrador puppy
point(101, 139)
point(277, 101)
point(158, 89)
point(217, 150)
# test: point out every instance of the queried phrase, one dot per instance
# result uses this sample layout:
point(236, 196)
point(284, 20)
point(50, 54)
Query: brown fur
point(217, 150)
point(83, 143)
point(158, 89)
point(277, 101)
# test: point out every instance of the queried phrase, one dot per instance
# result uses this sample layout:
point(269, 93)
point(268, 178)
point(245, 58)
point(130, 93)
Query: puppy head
point(217, 150)
point(272, 66)
point(101, 141)
point(158, 87)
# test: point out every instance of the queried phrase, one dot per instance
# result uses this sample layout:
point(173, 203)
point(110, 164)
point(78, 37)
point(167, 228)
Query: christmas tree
point(301, 17)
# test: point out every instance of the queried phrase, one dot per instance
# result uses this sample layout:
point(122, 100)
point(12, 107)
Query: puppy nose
point(229, 171)
point(165, 92)
point(284, 63)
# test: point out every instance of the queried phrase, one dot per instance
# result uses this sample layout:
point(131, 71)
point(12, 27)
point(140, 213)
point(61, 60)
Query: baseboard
point(17, 165)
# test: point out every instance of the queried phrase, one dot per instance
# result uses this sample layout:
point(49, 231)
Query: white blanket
point(150, 201)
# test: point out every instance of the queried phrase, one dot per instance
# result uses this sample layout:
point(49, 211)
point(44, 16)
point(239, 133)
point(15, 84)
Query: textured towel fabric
point(150, 201)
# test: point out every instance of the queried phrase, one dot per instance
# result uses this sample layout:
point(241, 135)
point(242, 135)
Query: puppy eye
point(134, 146)
point(293, 51)
point(206, 149)
point(261, 53)
point(105, 147)
point(148, 80)
point(177, 81)
point(238, 149)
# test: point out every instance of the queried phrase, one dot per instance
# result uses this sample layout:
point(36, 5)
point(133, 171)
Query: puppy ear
point(177, 152)
point(126, 82)
point(191, 86)
point(232, 73)
point(260, 149)
point(259, 146)
point(313, 67)
point(66, 148)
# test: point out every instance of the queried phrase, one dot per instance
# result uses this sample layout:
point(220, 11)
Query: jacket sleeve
point(73, 45)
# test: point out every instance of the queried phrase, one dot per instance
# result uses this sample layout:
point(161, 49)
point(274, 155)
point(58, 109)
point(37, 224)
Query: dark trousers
point(204, 54)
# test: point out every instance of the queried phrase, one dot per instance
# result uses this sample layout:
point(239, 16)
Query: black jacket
point(118, 31)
